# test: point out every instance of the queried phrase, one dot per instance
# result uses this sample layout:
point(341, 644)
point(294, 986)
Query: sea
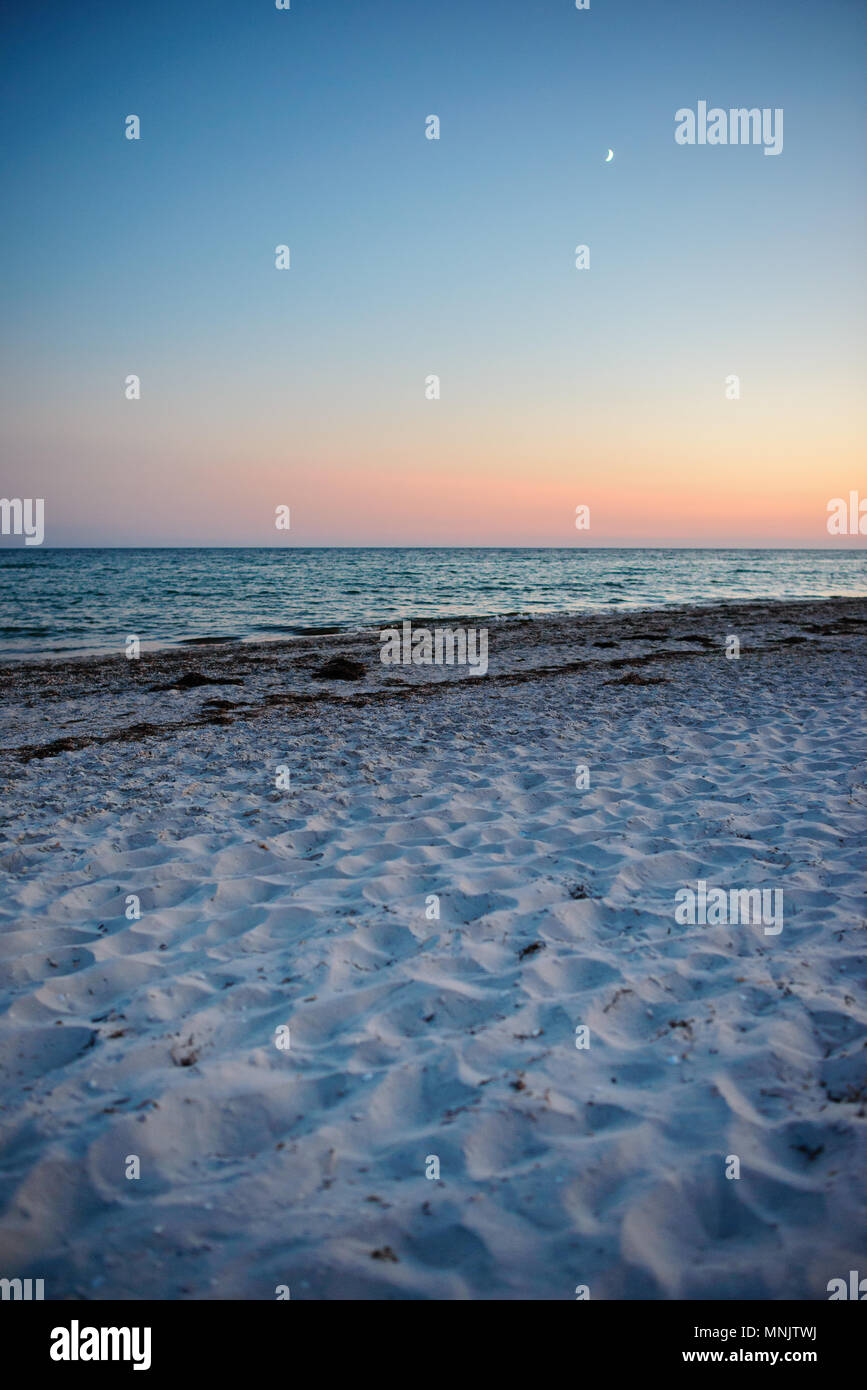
point(64, 602)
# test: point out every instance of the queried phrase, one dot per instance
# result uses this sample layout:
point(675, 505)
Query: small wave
point(294, 630)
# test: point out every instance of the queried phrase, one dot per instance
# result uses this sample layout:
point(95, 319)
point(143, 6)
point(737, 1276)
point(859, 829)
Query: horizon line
point(33, 550)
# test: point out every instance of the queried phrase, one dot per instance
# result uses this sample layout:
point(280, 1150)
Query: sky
point(604, 387)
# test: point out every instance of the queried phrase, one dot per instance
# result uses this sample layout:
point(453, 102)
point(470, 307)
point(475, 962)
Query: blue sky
point(411, 256)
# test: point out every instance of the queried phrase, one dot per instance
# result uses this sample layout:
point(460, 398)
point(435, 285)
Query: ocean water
point(62, 602)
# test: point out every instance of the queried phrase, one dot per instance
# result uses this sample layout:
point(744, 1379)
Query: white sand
point(413, 1037)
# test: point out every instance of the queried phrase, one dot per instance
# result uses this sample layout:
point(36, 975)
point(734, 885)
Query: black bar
point(235, 1339)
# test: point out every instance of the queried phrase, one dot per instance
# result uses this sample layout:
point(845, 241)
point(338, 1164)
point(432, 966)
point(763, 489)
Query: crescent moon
point(609, 156)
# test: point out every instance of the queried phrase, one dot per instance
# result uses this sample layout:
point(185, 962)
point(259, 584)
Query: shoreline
point(288, 634)
point(109, 697)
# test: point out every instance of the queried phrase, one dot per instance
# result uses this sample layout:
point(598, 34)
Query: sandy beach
point(270, 1158)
